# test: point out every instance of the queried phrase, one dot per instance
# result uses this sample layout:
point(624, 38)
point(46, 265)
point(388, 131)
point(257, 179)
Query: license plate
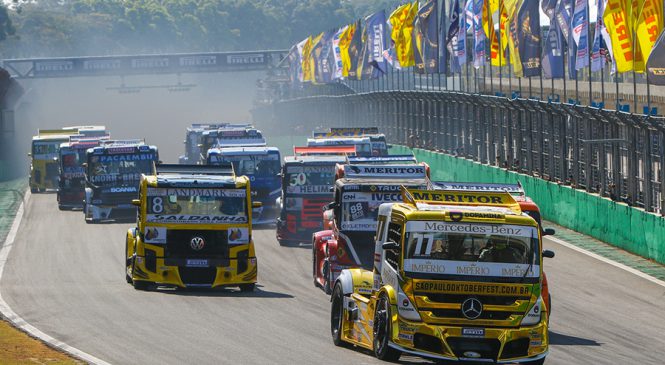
point(473, 332)
point(197, 263)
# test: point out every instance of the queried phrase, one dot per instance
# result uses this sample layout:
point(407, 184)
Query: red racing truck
point(357, 196)
point(71, 181)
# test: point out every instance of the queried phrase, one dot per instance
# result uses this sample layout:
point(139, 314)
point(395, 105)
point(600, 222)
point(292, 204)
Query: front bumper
point(496, 345)
point(194, 273)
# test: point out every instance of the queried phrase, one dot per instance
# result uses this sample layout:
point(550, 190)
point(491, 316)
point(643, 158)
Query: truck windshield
point(119, 169)
point(71, 161)
point(45, 150)
point(265, 165)
point(360, 210)
point(195, 205)
point(309, 179)
point(470, 249)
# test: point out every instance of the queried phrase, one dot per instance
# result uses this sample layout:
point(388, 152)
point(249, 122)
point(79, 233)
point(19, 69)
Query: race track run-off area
point(66, 278)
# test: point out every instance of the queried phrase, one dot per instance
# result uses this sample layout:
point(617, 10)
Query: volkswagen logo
point(197, 243)
point(472, 308)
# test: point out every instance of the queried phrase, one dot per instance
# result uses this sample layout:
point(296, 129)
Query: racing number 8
point(157, 205)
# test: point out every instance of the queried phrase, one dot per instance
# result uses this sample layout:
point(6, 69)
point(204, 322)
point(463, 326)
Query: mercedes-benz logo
point(472, 308)
point(197, 243)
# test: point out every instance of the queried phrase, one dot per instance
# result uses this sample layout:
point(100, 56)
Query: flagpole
point(589, 49)
point(501, 54)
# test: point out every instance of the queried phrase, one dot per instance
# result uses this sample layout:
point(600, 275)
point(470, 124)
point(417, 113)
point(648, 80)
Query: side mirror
point(136, 202)
point(29, 154)
point(549, 232)
point(390, 245)
point(332, 189)
point(84, 165)
point(257, 204)
point(548, 254)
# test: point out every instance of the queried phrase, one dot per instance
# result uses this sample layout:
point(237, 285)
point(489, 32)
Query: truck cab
point(112, 174)
point(378, 144)
point(262, 166)
point(306, 187)
point(194, 230)
point(363, 145)
point(456, 276)
point(351, 217)
point(44, 152)
point(71, 182)
point(193, 139)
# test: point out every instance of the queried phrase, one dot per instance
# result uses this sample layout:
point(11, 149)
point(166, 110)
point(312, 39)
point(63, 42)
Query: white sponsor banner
point(396, 171)
point(211, 193)
point(196, 219)
point(470, 268)
point(472, 228)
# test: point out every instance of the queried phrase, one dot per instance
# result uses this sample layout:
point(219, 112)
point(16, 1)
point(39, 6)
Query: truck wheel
point(326, 278)
point(142, 285)
point(247, 287)
point(382, 331)
point(128, 262)
point(337, 315)
point(316, 283)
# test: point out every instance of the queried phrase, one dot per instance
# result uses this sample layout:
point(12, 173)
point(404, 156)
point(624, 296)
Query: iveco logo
point(472, 308)
point(197, 243)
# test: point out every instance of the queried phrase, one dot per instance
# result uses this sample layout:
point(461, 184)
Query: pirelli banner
point(386, 171)
point(143, 64)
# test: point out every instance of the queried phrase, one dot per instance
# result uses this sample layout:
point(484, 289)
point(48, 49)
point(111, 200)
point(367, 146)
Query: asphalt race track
point(66, 278)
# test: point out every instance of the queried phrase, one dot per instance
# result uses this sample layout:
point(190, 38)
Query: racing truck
point(456, 276)
point(375, 160)
point(262, 166)
point(44, 152)
point(112, 174)
point(351, 217)
point(306, 188)
point(363, 145)
point(193, 140)
point(230, 135)
point(71, 182)
point(193, 230)
point(378, 143)
point(527, 205)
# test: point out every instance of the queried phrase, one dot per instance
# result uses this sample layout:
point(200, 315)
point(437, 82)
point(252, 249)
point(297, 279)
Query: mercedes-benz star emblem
point(197, 243)
point(472, 308)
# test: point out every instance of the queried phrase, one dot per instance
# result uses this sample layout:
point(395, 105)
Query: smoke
point(154, 112)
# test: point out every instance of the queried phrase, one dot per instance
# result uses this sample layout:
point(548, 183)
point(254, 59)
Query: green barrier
point(631, 229)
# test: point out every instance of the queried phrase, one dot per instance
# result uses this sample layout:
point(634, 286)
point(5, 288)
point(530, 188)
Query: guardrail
point(614, 154)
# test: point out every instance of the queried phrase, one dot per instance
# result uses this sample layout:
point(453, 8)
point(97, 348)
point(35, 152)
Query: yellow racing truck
point(457, 277)
point(194, 230)
point(45, 148)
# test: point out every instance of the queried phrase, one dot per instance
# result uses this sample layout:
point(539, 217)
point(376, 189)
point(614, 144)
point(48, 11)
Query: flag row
point(627, 36)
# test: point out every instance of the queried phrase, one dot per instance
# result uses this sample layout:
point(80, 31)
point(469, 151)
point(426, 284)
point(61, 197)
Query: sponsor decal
point(133, 157)
point(412, 171)
point(202, 219)
point(197, 263)
point(473, 332)
point(427, 267)
point(471, 288)
point(210, 193)
point(405, 336)
point(238, 236)
point(308, 169)
point(308, 189)
point(474, 228)
point(155, 235)
point(124, 189)
point(113, 178)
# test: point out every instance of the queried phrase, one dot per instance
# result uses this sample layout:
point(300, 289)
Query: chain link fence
point(614, 154)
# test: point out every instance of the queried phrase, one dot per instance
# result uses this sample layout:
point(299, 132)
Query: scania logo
point(472, 308)
point(197, 243)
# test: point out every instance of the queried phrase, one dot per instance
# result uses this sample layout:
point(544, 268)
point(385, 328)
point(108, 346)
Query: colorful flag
point(464, 27)
point(344, 45)
point(443, 54)
point(649, 26)
point(354, 51)
point(618, 22)
point(311, 60)
point(512, 9)
point(656, 62)
point(389, 54)
point(294, 65)
point(528, 41)
point(374, 35)
point(426, 39)
point(323, 59)
point(600, 52)
point(453, 35)
point(338, 66)
point(301, 56)
point(580, 29)
point(402, 20)
point(552, 57)
point(479, 38)
point(491, 9)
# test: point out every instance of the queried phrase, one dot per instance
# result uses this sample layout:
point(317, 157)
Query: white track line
point(19, 322)
point(607, 261)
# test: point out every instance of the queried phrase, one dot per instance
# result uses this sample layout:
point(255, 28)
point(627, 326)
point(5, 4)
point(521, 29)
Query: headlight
point(534, 315)
point(405, 308)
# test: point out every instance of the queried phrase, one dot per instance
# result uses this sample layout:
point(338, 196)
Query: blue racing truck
point(262, 166)
point(112, 174)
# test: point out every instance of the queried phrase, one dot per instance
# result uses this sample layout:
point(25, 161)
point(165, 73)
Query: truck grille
point(197, 275)
point(179, 244)
point(486, 347)
point(117, 198)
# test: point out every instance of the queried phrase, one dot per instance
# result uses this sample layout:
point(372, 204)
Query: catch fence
point(614, 154)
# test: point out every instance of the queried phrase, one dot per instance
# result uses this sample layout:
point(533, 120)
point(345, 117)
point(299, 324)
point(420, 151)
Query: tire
point(128, 262)
point(142, 285)
point(245, 288)
point(316, 283)
point(382, 331)
point(326, 277)
point(337, 315)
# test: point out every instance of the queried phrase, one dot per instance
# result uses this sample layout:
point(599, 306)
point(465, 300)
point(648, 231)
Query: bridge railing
point(614, 154)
